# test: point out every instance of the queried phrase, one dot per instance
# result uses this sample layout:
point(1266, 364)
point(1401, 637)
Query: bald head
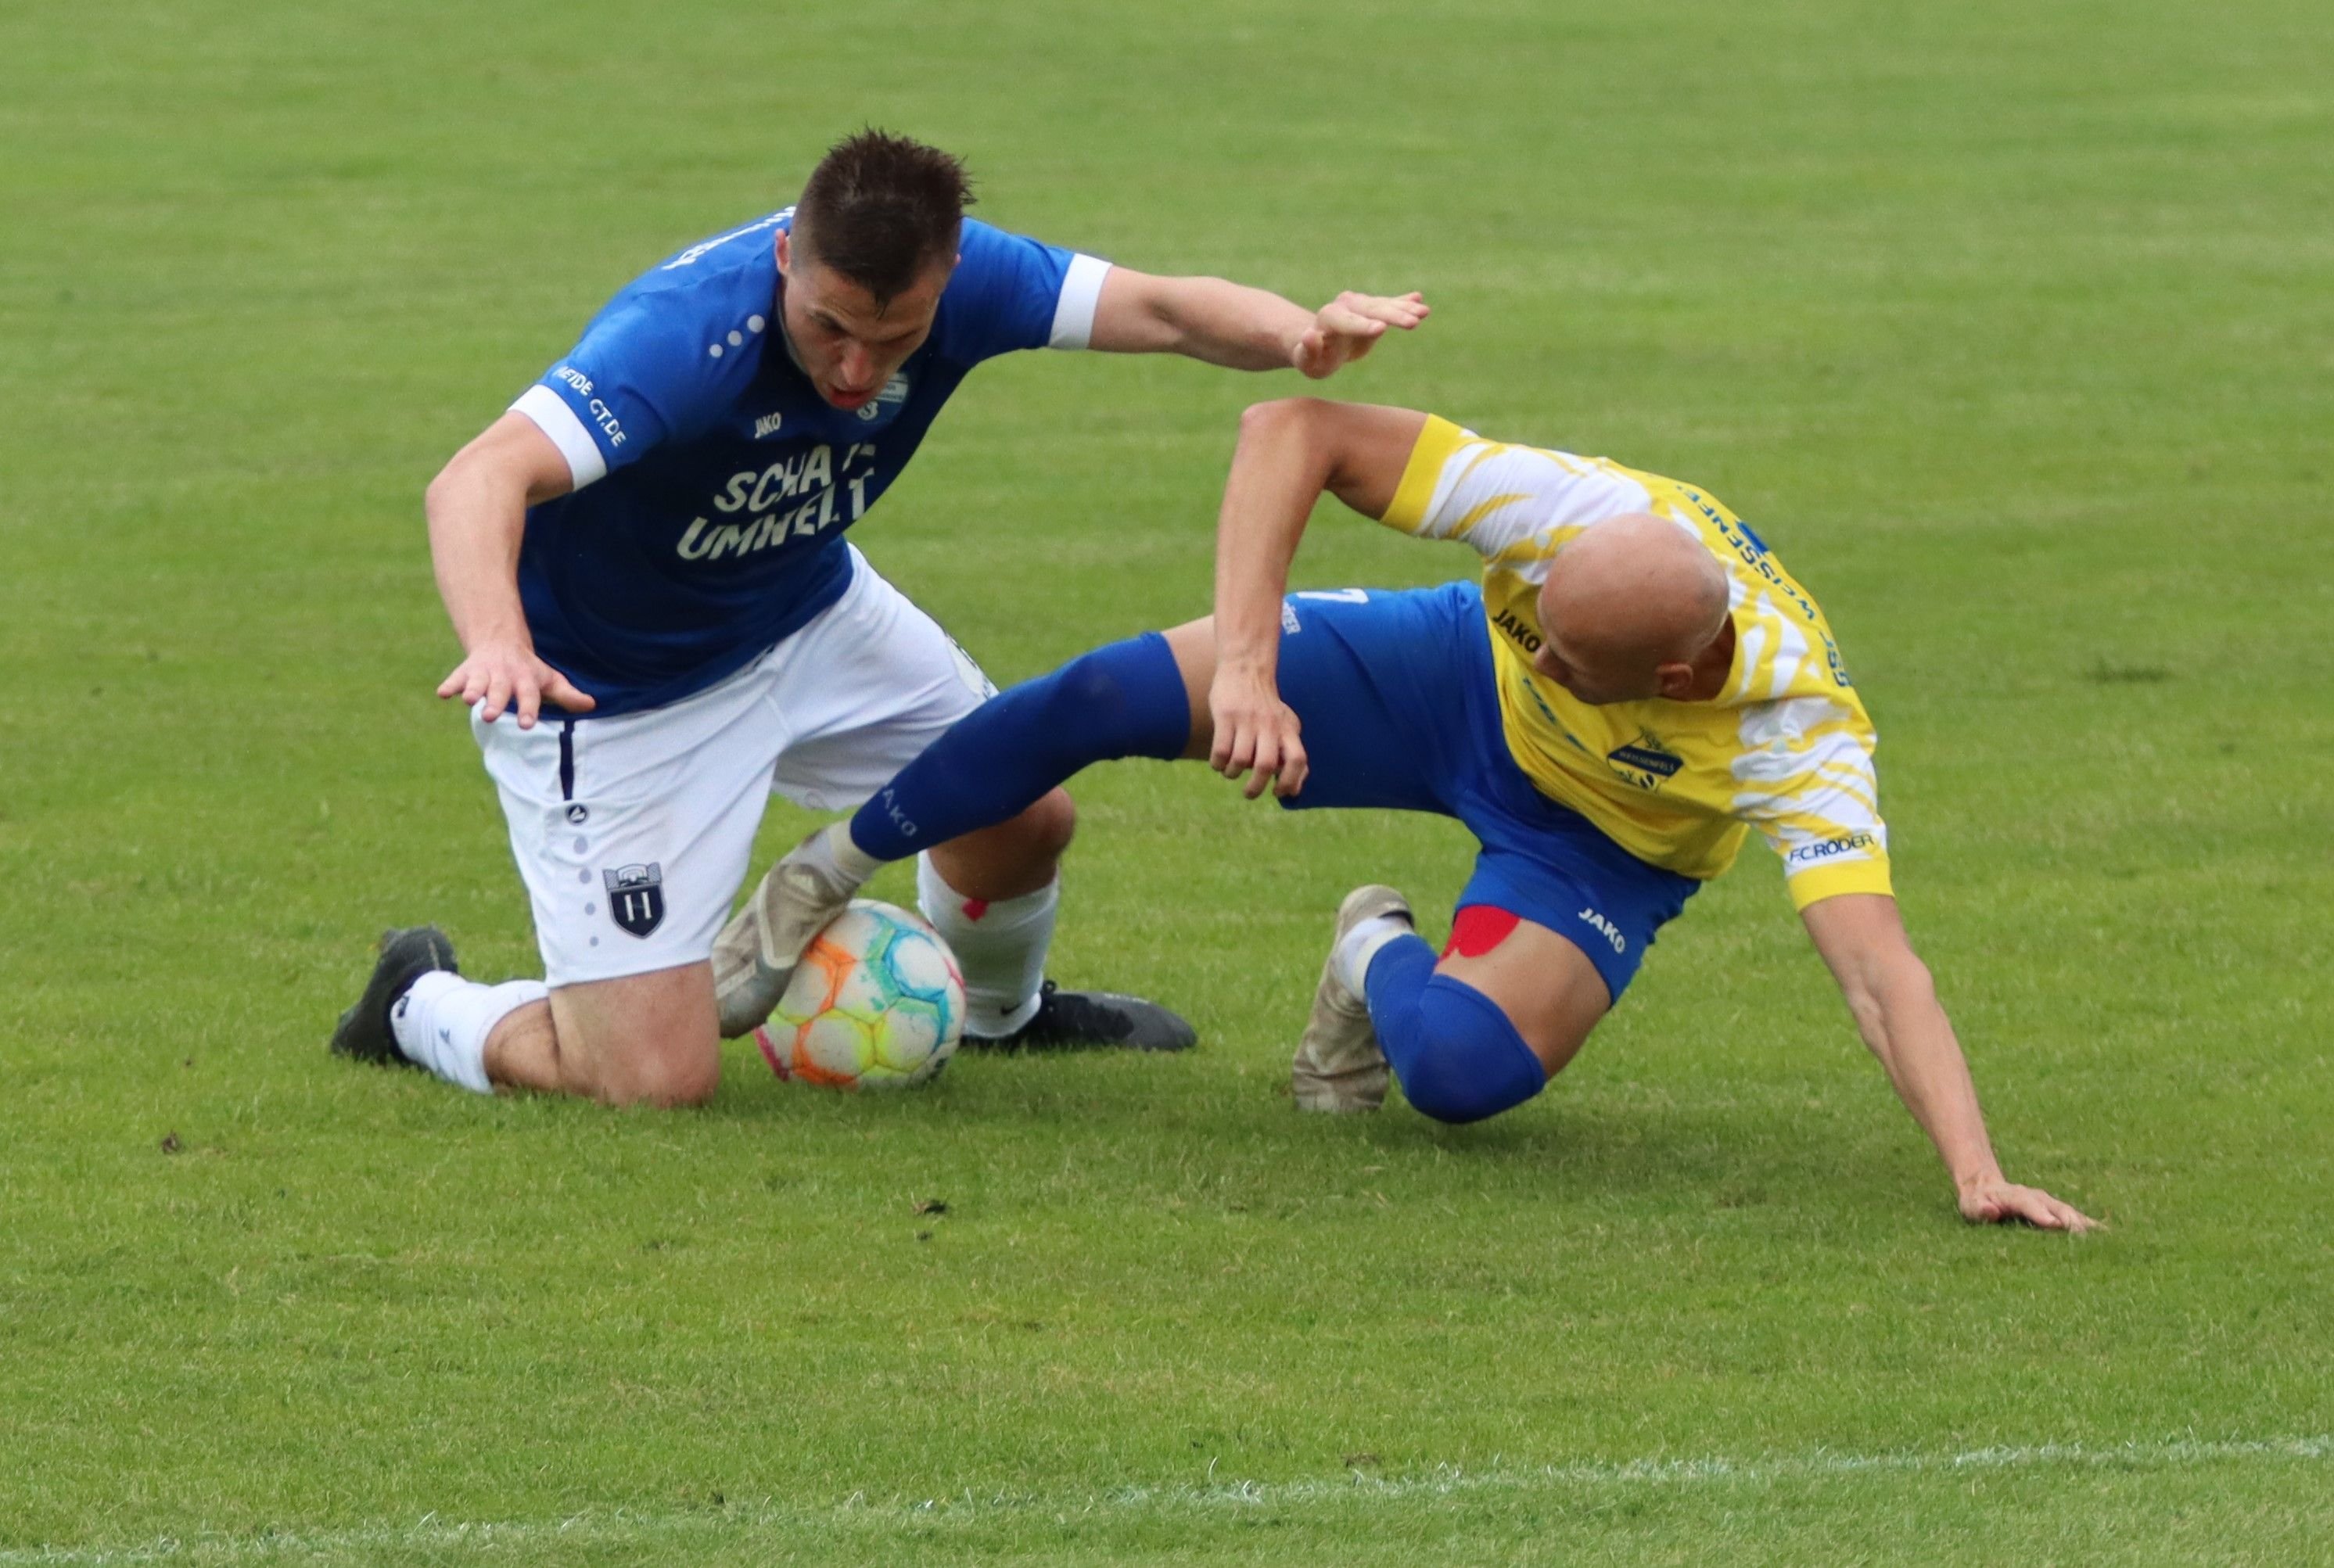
point(1628, 600)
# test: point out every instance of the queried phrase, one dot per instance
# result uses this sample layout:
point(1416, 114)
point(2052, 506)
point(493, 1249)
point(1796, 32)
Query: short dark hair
point(881, 208)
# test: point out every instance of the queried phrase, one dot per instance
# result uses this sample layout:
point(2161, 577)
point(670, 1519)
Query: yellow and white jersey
point(1784, 747)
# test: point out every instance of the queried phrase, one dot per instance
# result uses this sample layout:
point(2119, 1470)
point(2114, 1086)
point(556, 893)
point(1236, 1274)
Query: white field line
point(615, 1526)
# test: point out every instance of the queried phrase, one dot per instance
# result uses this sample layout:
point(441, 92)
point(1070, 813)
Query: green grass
point(2007, 325)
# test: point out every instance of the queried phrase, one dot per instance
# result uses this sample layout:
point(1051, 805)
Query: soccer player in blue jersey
point(663, 623)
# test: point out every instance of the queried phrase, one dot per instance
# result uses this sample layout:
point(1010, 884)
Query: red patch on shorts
point(1479, 927)
point(975, 908)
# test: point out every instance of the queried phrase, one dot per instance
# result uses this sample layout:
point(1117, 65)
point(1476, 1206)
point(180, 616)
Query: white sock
point(838, 856)
point(1357, 946)
point(1000, 945)
point(442, 1022)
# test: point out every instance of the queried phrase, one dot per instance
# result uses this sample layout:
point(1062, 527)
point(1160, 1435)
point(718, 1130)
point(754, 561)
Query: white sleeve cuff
point(1074, 314)
point(556, 420)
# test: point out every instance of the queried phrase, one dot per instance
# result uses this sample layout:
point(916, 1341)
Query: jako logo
point(1620, 943)
point(767, 425)
point(1509, 621)
point(908, 829)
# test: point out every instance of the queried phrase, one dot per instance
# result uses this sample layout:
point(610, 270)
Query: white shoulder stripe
point(556, 420)
point(1074, 312)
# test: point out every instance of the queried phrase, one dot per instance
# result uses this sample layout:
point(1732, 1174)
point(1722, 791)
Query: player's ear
point(1673, 682)
point(786, 250)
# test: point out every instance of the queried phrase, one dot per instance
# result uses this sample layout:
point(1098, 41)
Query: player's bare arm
point(1894, 1001)
point(1242, 328)
point(477, 514)
point(1291, 452)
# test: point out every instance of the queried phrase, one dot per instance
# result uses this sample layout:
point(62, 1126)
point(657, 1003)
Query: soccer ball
point(876, 1003)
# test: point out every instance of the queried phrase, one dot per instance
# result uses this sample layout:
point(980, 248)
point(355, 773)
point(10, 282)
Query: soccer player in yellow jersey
point(1635, 687)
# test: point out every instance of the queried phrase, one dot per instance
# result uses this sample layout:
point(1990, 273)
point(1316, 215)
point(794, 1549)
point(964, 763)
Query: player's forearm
point(1281, 469)
point(476, 520)
point(1231, 324)
point(1907, 1029)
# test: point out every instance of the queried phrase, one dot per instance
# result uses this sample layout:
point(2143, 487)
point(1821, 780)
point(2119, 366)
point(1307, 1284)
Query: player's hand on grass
point(1254, 729)
point(1349, 326)
point(1993, 1200)
point(497, 676)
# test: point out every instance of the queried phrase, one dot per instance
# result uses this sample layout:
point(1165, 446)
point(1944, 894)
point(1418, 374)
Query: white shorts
point(632, 833)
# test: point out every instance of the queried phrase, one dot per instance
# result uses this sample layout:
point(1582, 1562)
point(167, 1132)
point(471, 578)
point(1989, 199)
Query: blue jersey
point(712, 483)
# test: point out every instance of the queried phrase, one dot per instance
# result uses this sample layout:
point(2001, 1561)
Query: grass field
point(2011, 326)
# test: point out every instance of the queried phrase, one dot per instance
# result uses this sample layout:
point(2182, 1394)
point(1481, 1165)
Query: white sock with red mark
point(1000, 945)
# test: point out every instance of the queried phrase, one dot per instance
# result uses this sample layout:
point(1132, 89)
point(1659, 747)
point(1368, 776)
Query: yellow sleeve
point(1413, 497)
point(1502, 498)
point(1807, 783)
point(1820, 882)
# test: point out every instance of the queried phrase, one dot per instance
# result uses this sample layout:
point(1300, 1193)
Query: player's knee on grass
point(1458, 1056)
point(645, 1040)
point(662, 1073)
point(1475, 1063)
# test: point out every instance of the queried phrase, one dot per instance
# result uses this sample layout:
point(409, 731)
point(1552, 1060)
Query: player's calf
point(641, 1040)
point(645, 1039)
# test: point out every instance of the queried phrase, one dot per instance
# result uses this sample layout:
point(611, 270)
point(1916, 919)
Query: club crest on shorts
point(636, 896)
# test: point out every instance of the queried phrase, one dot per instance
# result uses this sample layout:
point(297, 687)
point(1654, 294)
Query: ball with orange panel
point(876, 1003)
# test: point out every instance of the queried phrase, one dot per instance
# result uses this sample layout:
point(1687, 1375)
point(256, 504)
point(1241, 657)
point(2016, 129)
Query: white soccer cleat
point(756, 952)
point(1339, 1065)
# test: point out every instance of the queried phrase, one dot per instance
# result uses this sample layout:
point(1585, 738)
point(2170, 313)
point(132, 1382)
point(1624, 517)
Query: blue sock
point(1125, 700)
point(1458, 1057)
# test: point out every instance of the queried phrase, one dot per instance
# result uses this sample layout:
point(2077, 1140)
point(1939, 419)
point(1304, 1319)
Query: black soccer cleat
point(363, 1032)
point(1091, 1021)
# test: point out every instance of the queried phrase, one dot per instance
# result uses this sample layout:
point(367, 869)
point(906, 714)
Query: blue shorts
point(1396, 695)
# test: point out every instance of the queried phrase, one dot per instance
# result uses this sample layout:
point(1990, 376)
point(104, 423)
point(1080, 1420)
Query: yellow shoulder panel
point(1436, 444)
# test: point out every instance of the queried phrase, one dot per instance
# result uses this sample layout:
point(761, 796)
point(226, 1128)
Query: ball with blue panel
point(876, 1003)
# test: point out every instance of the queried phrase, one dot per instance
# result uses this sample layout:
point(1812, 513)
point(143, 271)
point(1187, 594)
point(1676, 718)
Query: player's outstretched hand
point(1349, 326)
point(1254, 728)
point(1999, 1202)
point(500, 675)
